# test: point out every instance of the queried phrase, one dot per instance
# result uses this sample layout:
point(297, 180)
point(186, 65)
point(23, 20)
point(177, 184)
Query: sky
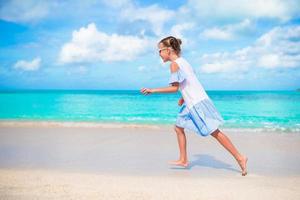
point(112, 45)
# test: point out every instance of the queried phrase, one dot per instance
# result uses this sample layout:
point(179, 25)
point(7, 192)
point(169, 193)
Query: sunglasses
point(160, 50)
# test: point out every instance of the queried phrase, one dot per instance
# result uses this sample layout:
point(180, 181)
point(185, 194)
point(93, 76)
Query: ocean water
point(267, 110)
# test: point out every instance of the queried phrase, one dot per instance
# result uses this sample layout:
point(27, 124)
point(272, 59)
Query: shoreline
point(96, 124)
point(73, 124)
point(79, 124)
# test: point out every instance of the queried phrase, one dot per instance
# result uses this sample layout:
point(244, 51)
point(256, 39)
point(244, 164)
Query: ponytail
point(172, 42)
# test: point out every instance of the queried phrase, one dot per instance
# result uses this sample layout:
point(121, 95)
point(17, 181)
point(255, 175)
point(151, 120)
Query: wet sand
point(42, 161)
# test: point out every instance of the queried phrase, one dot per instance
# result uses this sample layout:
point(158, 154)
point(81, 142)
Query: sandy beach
point(102, 161)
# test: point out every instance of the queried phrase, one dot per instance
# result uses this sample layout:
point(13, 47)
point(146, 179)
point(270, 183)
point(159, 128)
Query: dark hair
point(172, 42)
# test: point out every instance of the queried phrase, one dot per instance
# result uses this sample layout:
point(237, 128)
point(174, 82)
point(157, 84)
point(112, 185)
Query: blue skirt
point(203, 118)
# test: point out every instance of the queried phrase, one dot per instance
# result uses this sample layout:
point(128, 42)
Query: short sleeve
point(178, 76)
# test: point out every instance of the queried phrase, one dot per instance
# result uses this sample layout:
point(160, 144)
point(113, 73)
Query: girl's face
point(164, 52)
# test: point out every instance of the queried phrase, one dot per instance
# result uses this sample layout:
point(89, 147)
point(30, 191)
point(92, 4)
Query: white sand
point(130, 162)
point(41, 184)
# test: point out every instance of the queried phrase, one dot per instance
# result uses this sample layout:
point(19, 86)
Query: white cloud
point(116, 3)
point(24, 11)
point(278, 48)
point(28, 65)
point(225, 62)
point(141, 68)
point(91, 45)
point(269, 60)
point(154, 17)
point(217, 33)
point(227, 32)
point(179, 29)
point(153, 14)
point(220, 9)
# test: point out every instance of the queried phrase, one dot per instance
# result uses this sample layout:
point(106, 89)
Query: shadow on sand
point(204, 160)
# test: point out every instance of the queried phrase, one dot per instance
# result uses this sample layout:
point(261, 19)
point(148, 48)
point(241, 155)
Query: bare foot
point(243, 165)
point(179, 163)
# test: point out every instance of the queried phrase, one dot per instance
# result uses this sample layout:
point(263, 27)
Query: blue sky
point(97, 44)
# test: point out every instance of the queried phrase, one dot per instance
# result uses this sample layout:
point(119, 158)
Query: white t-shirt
point(191, 89)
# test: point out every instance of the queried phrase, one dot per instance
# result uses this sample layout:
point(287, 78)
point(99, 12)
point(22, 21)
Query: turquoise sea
point(267, 110)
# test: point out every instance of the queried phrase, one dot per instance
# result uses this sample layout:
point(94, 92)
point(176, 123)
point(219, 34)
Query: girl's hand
point(146, 91)
point(180, 101)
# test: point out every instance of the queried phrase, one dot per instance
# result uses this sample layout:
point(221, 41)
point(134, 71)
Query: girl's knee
point(215, 133)
point(178, 129)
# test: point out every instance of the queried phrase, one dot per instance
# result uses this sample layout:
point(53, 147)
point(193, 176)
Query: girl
point(198, 112)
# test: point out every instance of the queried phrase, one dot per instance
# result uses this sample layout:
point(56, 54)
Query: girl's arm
point(180, 101)
point(171, 89)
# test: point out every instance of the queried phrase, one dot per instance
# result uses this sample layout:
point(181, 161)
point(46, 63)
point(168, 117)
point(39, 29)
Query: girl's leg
point(225, 141)
point(181, 138)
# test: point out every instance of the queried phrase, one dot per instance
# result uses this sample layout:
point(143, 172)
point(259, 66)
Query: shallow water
point(269, 110)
